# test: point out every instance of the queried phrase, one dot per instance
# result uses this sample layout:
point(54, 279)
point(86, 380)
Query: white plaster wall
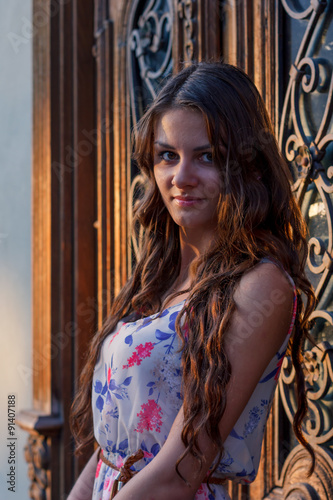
point(15, 230)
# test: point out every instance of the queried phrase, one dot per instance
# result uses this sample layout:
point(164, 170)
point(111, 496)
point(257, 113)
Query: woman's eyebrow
point(164, 145)
point(201, 148)
point(198, 148)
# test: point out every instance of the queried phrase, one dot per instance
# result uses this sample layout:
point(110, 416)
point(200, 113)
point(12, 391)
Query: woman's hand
point(266, 290)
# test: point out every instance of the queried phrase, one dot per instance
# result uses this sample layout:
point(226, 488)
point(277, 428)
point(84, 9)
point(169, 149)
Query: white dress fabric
point(136, 397)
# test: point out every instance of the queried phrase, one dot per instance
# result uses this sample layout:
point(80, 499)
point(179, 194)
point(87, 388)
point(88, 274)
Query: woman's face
point(188, 179)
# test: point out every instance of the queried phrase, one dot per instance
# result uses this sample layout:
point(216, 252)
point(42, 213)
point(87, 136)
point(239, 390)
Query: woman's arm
point(266, 290)
point(83, 488)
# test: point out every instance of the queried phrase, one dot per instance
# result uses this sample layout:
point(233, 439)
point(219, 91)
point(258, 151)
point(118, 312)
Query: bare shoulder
point(263, 313)
point(264, 282)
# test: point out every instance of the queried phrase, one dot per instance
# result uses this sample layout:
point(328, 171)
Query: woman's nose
point(185, 174)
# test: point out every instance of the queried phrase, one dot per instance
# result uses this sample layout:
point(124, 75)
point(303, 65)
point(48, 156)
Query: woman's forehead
point(179, 125)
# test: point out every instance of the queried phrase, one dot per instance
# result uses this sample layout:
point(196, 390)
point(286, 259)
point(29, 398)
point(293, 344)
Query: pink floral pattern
point(150, 417)
point(142, 352)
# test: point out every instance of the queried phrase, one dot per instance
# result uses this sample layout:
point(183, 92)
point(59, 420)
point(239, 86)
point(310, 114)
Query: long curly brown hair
point(257, 217)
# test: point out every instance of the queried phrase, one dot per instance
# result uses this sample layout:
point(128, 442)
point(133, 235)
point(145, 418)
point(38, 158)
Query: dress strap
point(280, 266)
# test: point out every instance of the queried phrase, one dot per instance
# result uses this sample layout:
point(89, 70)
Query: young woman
point(181, 376)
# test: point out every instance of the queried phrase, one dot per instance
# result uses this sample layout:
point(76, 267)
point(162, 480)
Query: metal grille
point(306, 139)
point(149, 56)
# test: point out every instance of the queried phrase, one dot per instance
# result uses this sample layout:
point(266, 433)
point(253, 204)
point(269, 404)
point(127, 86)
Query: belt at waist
point(125, 471)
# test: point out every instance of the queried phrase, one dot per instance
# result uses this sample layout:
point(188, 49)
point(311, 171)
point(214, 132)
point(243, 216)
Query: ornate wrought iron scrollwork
point(305, 144)
point(307, 75)
point(318, 369)
point(149, 62)
point(149, 51)
point(306, 140)
point(296, 486)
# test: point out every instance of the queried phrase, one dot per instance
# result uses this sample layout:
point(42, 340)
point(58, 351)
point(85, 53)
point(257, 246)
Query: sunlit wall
point(15, 239)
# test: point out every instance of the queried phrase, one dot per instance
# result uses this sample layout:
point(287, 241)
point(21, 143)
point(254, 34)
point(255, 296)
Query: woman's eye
point(207, 157)
point(167, 155)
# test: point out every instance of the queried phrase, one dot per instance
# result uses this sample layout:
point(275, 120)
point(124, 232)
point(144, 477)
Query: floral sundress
point(137, 394)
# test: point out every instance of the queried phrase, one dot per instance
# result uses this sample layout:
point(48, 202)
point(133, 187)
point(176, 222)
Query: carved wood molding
point(44, 432)
point(188, 19)
point(294, 481)
point(37, 455)
point(36, 423)
point(197, 31)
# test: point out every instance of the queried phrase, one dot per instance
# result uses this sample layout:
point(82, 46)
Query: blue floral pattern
point(136, 395)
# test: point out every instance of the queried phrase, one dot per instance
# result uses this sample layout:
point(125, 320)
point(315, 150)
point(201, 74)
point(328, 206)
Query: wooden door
point(287, 48)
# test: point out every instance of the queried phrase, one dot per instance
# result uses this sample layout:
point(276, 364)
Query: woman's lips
point(187, 201)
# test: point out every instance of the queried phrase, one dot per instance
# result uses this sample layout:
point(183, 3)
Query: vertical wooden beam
point(63, 235)
point(271, 61)
point(248, 29)
point(259, 45)
point(237, 25)
point(105, 173)
point(63, 163)
point(84, 200)
point(120, 14)
point(41, 217)
point(209, 30)
point(99, 17)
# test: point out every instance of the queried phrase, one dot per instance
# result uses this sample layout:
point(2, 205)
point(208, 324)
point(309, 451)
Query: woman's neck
point(194, 243)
